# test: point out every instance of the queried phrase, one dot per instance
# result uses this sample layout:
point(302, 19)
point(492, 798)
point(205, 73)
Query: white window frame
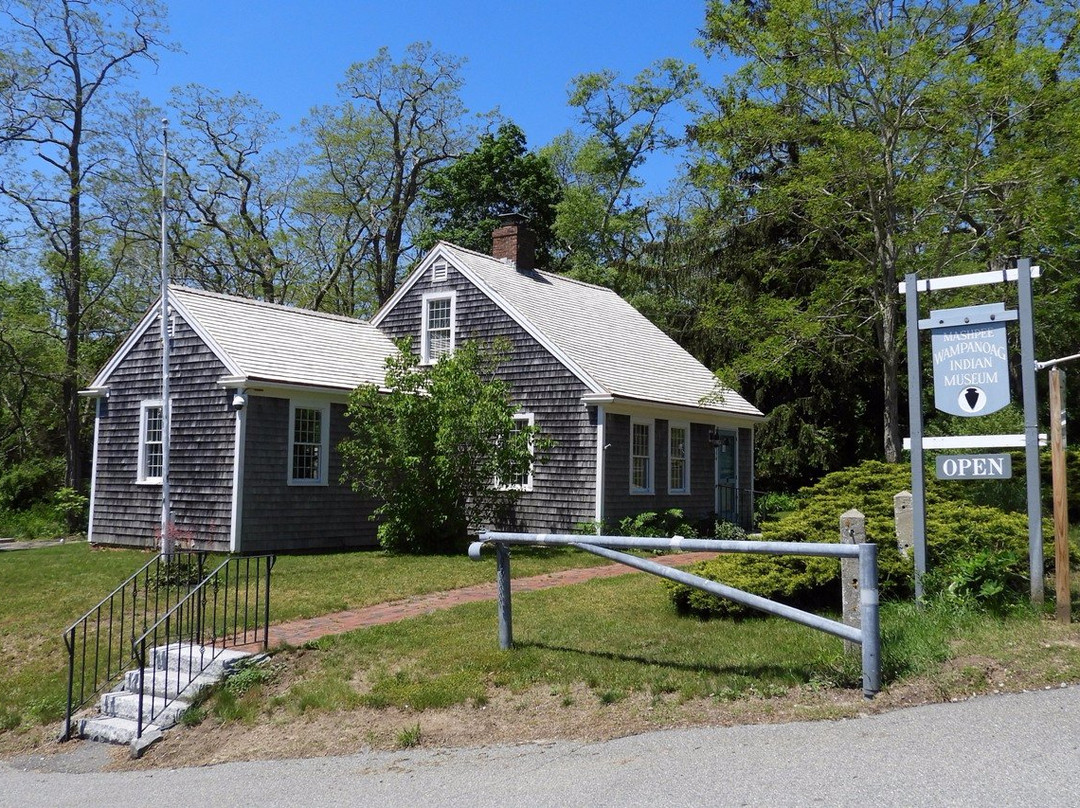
point(323, 408)
point(529, 419)
point(144, 411)
point(425, 337)
point(681, 486)
point(650, 488)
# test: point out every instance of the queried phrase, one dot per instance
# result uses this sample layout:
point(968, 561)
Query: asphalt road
point(1011, 750)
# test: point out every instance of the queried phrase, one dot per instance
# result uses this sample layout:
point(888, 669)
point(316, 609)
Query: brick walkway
point(298, 632)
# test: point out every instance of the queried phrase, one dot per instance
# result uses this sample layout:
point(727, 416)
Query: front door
point(727, 477)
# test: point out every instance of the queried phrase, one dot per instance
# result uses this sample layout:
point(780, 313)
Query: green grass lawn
point(42, 591)
point(311, 585)
point(614, 636)
point(621, 636)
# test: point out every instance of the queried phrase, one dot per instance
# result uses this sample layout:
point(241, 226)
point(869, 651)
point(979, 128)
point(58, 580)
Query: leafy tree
point(432, 444)
point(601, 222)
point(373, 156)
point(464, 200)
point(863, 141)
point(65, 57)
point(234, 231)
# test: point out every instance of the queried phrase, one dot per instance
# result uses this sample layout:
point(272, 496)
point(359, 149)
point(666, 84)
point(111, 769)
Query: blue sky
point(521, 55)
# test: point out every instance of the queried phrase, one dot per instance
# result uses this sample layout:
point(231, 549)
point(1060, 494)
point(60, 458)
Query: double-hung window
point(641, 456)
point(309, 443)
point(151, 441)
point(524, 480)
point(437, 331)
point(678, 458)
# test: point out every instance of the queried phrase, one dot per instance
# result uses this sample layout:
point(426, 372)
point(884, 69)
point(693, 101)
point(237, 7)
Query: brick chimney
point(513, 240)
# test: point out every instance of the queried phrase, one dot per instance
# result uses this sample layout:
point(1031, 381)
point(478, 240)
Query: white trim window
point(437, 329)
point(641, 456)
point(524, 481)
point(678, 457)
point(151, 441)
point(309, 443)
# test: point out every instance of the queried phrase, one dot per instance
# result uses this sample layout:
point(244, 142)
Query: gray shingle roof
point(616, 346)
point(273, 343)
point(285, 344)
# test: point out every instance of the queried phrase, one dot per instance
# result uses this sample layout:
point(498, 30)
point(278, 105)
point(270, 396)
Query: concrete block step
point(166, 684)
point(161, 712)
point(187, 657)
point(113, 730)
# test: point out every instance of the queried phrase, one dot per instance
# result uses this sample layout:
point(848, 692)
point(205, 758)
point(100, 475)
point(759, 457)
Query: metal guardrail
point(99, 643)
point(229, 608)
point(868, 635)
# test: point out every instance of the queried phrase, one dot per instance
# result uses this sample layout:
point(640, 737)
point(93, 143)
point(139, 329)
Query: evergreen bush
point(957, 530)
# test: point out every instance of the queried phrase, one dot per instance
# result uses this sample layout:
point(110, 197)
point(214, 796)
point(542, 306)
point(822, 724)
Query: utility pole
point(1062, 573)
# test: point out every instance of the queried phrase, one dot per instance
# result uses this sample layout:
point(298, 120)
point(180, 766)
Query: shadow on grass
point(792, 672)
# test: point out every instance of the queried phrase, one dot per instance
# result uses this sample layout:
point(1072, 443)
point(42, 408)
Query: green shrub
point(957, 529)
point(29, 482)
point(662, 525)
point(772, 503)
point(994, 580)
point(38, 521)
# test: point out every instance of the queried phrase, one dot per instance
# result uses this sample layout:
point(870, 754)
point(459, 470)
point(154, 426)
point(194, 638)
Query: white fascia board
point(409, 283)
point(237, 505)
point(205, 336)
point(975, 442)
point(95, 392)
point(275, 389)
point(436, 254)
point(659, 409)
point(125, 347)
point(141, 329)
point(93, 472)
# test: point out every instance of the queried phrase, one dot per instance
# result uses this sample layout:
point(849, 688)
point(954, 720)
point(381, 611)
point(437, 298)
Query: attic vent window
point(438, 273)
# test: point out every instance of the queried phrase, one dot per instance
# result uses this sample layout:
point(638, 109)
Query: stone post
point(852, 531)
point(905, 523)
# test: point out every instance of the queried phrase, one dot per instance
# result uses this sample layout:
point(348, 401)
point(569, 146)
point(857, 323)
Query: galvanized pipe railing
point(99, 643)
point(868, 635)
point(230, 607)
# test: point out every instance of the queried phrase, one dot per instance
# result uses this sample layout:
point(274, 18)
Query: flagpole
point(166, 408)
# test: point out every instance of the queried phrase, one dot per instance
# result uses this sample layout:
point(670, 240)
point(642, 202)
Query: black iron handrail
point(227, 609)
point(99, 642)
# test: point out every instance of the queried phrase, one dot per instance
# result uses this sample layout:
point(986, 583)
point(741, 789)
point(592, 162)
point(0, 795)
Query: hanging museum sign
point(970, 353)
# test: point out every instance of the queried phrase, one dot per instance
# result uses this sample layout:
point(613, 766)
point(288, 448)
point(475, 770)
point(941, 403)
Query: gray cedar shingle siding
point(281, 517)
point(201, 450)
point(698, 504)
point(563, 485)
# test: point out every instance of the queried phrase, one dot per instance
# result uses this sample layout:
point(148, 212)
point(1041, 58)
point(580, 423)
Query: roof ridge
point(545, 272)
point(263, 304)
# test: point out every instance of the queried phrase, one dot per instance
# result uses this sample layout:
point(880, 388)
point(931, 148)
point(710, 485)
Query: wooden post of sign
point(1063, 587)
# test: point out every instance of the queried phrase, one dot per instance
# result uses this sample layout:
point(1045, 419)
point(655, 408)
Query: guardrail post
point(502, 580)
point(852, 531)
point(871, 625)
point(905, 523)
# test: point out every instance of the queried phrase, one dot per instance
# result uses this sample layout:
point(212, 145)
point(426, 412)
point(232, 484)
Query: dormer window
point(437, 333)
